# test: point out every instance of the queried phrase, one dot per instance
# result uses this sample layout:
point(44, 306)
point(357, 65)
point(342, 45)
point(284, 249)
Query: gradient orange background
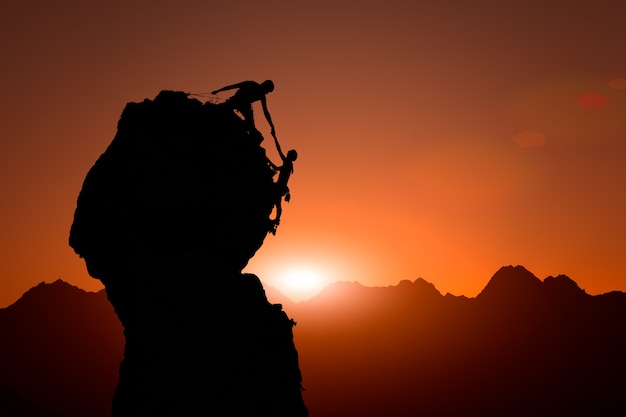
point(437, 139)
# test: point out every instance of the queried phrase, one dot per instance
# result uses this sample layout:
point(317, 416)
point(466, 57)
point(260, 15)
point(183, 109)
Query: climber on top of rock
point(281, 188)
point(248, 92)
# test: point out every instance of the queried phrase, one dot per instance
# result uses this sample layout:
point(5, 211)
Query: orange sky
point(436, 140)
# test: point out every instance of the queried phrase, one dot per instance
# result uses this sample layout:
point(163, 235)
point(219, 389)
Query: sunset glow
point(435, 140)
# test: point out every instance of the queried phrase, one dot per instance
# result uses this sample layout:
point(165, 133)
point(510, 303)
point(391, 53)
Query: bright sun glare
point(301, 283)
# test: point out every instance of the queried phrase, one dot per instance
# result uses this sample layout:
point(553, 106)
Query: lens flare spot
point(591, 101)
point(528, 139)
point(618, 83)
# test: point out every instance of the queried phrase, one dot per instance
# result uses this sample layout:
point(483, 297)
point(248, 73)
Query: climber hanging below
point(249, 92)
point(281, 189)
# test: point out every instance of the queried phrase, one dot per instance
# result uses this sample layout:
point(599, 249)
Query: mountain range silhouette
point(522, 347)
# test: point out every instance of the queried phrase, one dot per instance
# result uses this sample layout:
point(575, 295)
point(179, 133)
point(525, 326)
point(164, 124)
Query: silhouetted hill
point(61, 348)
point(511, 283)
point(407, 350)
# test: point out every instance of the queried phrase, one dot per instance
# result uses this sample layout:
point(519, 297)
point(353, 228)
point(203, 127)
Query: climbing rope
point(211, 98)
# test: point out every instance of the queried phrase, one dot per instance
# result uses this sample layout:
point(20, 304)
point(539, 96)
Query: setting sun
point(301, 283)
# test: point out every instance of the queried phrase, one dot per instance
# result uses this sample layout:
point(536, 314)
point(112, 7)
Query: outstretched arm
point(280, 151)
point(228, 87)
point(266, 112)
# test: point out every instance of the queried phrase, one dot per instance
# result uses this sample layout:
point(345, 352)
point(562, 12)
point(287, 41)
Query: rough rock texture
point(167, 218)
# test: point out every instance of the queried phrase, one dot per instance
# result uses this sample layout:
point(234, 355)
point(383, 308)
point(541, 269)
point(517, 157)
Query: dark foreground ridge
point(167, 219)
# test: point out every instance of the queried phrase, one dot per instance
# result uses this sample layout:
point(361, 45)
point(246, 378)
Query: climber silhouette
point(281, 188)
point(249, 92)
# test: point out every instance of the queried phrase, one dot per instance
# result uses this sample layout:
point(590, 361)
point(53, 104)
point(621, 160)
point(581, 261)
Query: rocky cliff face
point(167, 218)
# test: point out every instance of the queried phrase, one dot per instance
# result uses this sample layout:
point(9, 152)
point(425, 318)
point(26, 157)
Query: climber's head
point(268, 86)
point(292, 155)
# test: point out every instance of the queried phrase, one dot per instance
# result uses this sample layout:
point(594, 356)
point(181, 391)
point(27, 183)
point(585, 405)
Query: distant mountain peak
point(511, 281)
point(512, 285)
point(563, 284)
point(43, 292)
point(422, 284)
